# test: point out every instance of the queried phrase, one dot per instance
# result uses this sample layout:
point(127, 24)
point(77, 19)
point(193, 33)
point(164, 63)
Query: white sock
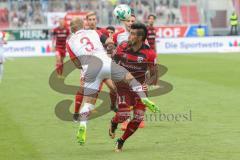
point(85, 112)
point(137, 88)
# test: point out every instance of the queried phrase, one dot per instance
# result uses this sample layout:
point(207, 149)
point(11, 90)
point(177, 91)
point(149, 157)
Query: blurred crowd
point(33, 13)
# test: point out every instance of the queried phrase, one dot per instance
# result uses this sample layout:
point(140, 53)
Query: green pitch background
point(208, 85)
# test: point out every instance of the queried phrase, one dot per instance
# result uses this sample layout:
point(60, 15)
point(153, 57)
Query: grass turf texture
point(206, 84)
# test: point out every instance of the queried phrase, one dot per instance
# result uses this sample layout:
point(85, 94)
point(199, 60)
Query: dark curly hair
point(142, 27)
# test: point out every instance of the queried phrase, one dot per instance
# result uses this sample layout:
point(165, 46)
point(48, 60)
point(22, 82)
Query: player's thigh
point(91, 90)
point(118, 73)
point(92, 68)
point(91, 87)
point(124, 99)
point(60, 54)
point(58, 57)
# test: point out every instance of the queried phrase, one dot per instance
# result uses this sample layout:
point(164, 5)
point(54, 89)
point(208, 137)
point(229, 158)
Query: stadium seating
point(192, 10)
point(220, 19)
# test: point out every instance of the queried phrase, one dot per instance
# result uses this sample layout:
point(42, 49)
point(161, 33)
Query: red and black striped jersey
point(60, 36)
point(151, 35)
point(136, 62)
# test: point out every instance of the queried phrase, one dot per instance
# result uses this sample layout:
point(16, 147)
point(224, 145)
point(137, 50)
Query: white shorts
point(99, 69)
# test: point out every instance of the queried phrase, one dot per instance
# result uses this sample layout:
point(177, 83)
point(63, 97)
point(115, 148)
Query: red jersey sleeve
point(152, 57)
point(115, 38)
point(120, 51)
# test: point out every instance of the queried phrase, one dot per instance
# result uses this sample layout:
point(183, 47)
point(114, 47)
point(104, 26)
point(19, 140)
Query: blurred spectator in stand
point(175, 3)
point(38, 18)
point(68, 6)
point(4, 17)
point(200, 31)
point(171, 17)
point(177, 21)
point(234, 24)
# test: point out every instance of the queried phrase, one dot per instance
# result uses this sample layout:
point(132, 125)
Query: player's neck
point(137, 46)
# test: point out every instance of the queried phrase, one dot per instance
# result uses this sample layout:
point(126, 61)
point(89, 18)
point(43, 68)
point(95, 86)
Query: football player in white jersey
point(87, 52)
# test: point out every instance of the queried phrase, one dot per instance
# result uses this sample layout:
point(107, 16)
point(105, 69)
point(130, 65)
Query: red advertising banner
point(171, 31)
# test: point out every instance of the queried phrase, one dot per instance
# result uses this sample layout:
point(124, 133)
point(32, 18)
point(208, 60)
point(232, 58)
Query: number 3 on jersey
point(86, 42)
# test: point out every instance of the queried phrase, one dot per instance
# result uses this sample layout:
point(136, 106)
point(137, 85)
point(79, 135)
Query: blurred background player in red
point(111, 31)
point(110, 47)
point(60, 35)
point(3, 41)
point(138, 58)
point(151, 31)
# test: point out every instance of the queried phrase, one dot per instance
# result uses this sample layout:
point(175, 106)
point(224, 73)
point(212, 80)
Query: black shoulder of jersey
point(145, 46)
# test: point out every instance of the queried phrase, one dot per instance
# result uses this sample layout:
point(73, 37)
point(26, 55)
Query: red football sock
point(119, 119)
point(131, 128)
point(122, 114)
point(78, 101)
point(113, 97)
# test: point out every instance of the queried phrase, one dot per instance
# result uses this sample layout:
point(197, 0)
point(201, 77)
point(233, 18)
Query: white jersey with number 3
point(85, 45)
point(86, 42)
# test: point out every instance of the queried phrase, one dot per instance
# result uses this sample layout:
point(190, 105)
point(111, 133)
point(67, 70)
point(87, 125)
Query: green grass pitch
point(208, 85)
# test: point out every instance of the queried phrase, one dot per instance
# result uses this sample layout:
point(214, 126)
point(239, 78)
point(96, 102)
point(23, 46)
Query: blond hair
point(89, 14)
